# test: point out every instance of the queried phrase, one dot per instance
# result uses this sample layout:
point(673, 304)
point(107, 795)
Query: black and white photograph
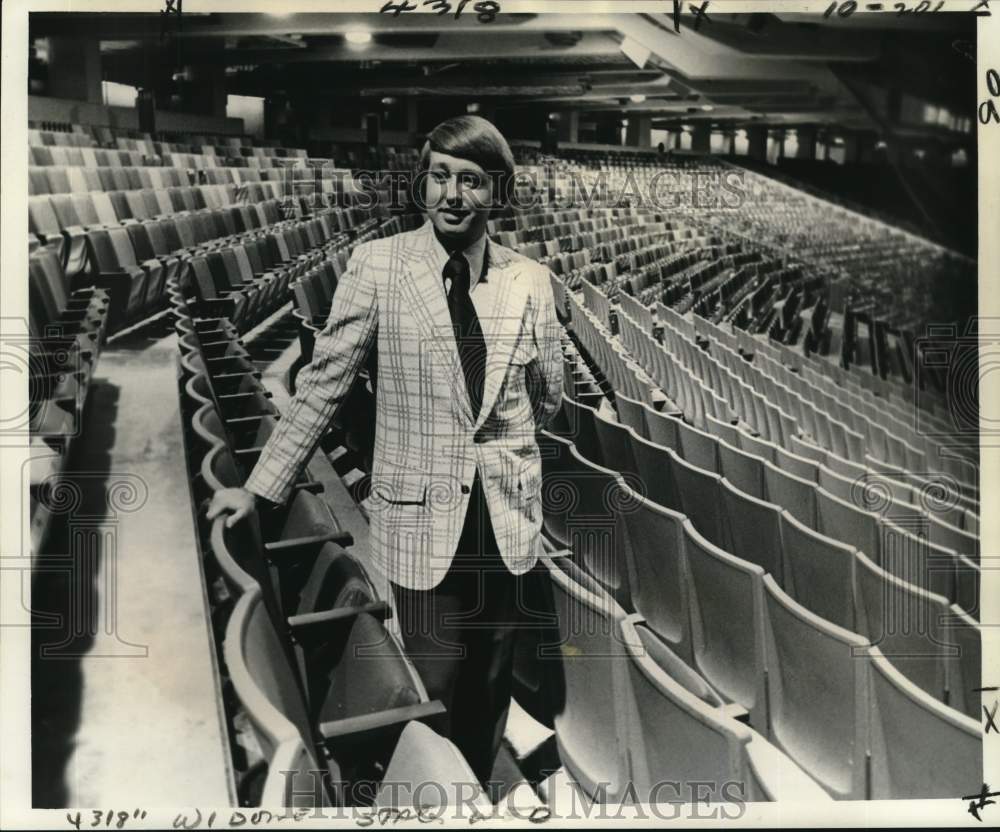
point(489, 412)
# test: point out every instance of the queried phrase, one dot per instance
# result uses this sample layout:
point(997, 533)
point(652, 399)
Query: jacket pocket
point(397, 486)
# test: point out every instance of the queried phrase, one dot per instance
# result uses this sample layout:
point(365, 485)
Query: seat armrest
point(294, 548)
point(368, 727)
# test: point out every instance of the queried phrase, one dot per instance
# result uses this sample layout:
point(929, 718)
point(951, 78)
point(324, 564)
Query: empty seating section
point(60, 350)
point(799, 557)
point(127, 215)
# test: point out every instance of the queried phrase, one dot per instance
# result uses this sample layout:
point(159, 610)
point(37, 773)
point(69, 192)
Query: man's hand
point(237, 502)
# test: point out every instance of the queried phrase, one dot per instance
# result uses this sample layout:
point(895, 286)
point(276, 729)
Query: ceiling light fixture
point(472, 107)
point(358, 37)
point(637, 98)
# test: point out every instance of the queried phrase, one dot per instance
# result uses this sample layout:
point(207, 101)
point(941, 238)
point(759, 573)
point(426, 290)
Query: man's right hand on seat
point(236, 502)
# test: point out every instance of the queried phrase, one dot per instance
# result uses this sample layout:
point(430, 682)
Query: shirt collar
point(475, 254)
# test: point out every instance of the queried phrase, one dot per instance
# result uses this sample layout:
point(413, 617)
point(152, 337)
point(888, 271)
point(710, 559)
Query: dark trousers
point(460, 636)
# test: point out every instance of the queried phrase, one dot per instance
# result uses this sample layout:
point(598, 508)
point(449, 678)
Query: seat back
point(919, 747)
point(843, 521)
point(422, 757)
point(616, 445)
point(589, 726)
point(700, 494)
point(817, 694)
point(726, 605)
point(264, 682)
point(654, 552)
point(632, 413)
point(697, 447)
point(905, 623)
point(595, 524)
point(676, 734)
point(582, 433)
point(745, 471)
point(795, 495)
point(819, 572)
point(754, 530)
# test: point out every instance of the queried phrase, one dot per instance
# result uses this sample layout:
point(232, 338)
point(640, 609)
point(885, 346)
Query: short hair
point(477, 140)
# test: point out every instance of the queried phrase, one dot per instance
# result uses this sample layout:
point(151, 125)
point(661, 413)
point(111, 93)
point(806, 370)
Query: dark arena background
point(760, 497)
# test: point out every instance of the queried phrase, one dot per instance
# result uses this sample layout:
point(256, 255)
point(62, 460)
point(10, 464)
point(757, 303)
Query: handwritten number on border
point(486, 10)
point(988, 109)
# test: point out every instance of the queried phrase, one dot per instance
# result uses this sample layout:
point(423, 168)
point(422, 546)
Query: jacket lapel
point(500, 306)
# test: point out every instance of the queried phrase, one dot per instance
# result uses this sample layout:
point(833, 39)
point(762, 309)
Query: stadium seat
point(905, 623)
point(745, 471)
point(591, 662)
point(654, 551)
point(726, 624)
point(700, 495)
point(615, 442)
point(267, 689)
point(819, 572)
point(845, 522)
point(681, 734)
point(919, 747)
point(633, 414)
point(817, 694)
point(754, 530)
point(422, 758)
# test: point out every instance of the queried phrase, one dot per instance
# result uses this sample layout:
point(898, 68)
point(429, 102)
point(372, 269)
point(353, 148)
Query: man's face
point(459, 195)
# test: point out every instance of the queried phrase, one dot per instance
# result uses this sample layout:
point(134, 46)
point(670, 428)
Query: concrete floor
point(124, 691)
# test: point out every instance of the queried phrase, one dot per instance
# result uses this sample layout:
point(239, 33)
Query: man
point(455, 503)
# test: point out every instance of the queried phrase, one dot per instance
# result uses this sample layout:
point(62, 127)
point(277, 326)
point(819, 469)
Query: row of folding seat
point(65, 335)
point(898, 536)
point(608, 723)
point(60, 221)
point(646, 721)
point(200, 161)
point(798, 549)
point(250, 276)
point(882, 433)
point(683, 385)
point(300, 611)
point(892, 440)
point(737, 617)
point(58, 179)
point(939, 524)
point(786, 214)
point(620, 369)
point(134, 261)
point(60, 138)
point(957, 547)
point(875, 444)
point(86, 157)
point(65, 180)
point(890, 451)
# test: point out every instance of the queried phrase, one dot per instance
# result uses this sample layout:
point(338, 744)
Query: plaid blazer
point(427, 445)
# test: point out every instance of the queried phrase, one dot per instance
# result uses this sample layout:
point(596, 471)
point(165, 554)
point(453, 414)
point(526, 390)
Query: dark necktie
point(468, 333)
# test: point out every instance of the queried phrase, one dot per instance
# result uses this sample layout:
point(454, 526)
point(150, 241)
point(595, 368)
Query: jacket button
point(465, 489)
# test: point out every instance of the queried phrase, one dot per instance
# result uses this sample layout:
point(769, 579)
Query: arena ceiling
point(776, 69)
